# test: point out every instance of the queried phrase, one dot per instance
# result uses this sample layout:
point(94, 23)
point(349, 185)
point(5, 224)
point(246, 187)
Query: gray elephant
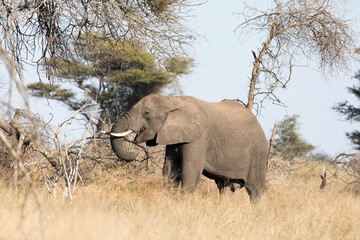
point(222, 141)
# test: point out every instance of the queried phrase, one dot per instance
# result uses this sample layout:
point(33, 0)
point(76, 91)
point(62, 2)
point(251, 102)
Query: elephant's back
point(236, 113)
point(232, 116)
point(226, 105)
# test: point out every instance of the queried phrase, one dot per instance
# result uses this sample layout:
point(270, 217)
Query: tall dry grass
point(141, 207)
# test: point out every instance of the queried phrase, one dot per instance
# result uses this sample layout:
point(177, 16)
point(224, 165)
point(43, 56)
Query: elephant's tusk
point(123, 134)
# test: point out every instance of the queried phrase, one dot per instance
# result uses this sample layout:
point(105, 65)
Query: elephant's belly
point(231, 172)
point(231, 163)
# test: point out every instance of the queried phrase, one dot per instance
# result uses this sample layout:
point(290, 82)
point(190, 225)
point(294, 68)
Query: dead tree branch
point(48, 27)
point(314, 29)
point(349, 165)
point(323, 179)
point(271, 145)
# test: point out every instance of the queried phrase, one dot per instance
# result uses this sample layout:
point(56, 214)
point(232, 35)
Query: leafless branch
point(271, 145)
point(15, 153)
point(349, 164)
point(314, 29)
point(48, 27)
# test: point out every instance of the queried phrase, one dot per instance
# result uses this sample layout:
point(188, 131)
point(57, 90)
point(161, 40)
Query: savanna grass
point(142, 207)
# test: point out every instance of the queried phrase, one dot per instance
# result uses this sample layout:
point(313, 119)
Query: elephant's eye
point(146, 112)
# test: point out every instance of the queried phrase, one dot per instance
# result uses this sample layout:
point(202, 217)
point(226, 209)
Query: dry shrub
point(298, 171)
point(347, 170)
point(99, 160)
point(302, 171)
point(5, 163)
point(30, 131)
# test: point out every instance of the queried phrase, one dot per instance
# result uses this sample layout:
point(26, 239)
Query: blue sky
point(223, 68)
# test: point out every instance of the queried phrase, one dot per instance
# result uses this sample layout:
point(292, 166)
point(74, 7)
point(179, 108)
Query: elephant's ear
point(181, 126)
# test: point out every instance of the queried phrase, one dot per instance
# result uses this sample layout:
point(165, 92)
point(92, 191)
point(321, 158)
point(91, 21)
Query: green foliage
point(288, 143)
point(352, 112)
point(179, 65)
point(51, 91)
point(113, 74)
point(158, 6)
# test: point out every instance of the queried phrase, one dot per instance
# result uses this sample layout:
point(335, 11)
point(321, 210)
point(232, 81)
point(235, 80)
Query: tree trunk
point(255, 72)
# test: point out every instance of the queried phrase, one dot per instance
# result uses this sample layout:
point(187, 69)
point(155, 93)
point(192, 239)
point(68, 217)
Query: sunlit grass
point(143, 208)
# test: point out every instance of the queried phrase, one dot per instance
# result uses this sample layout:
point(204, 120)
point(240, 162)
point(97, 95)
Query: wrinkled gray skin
point(223, 141)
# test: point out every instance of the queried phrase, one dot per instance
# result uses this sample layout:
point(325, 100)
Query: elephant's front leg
point(192, 165)
point(172, 164)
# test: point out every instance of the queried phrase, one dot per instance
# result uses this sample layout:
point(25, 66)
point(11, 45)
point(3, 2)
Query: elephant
point(221, 140)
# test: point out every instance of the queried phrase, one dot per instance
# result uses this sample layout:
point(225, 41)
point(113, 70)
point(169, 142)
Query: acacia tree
point(314, 29)
point(114, 75)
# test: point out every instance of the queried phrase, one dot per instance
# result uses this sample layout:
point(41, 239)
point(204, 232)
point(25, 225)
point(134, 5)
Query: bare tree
point(314, 29)
point(48, 27)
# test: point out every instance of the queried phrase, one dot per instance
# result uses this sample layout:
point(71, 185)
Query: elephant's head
point(157, 120)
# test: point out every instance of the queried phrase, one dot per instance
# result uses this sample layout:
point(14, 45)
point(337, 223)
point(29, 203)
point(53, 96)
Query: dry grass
point(118, 207)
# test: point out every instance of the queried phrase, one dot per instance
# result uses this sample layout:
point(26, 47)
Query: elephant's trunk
point(118, 143)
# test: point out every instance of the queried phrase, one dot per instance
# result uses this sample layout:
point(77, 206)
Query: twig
point(271, 146)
